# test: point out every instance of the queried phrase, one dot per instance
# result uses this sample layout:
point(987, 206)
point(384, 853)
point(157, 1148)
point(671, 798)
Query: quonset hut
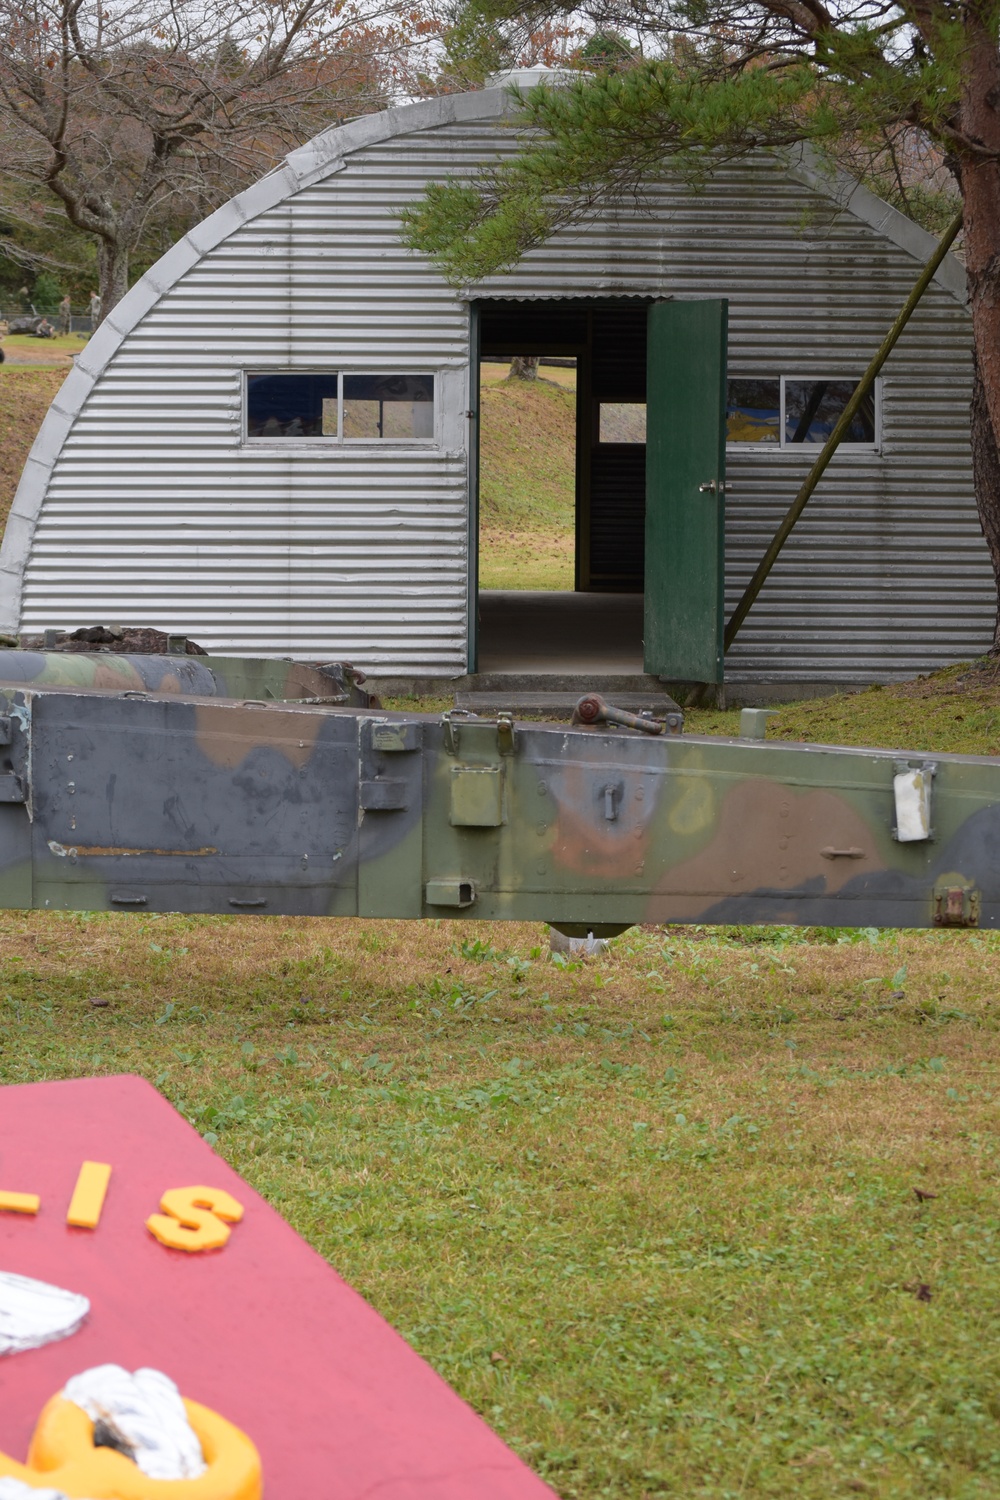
point(271, 443)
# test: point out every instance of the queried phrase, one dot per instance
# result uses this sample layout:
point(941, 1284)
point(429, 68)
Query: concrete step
point(608, 684)
point(555, 705)
point(563, 682)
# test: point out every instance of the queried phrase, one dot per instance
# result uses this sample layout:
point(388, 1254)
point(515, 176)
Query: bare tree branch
point(132, 114)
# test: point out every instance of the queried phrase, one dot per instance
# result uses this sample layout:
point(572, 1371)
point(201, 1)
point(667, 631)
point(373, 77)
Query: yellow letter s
point(192, 1218)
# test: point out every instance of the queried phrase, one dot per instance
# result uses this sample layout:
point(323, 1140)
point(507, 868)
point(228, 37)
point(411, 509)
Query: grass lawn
point(656, 1217)
point(712, 1216)
point(65, 343)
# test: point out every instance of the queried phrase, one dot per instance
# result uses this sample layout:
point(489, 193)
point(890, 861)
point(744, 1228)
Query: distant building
point(270, 443)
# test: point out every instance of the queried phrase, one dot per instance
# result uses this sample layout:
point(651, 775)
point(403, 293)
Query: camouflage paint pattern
point(210, 677)
point(165, 801)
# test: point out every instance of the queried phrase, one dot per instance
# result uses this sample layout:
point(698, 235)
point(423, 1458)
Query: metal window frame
point(384, 442)
point(285, 444)
point(783, 446)
point(282, 444)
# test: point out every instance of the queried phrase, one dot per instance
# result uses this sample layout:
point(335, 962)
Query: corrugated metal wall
point(156, 512)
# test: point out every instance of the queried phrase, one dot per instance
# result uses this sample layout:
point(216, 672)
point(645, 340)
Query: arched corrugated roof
point(321, 158)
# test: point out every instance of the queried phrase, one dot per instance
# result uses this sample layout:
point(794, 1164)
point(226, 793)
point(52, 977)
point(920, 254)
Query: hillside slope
point(527, 471)
point(25, 395)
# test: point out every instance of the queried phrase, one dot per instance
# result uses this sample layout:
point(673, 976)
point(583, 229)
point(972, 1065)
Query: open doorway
point(559, 507)
point(527, 473)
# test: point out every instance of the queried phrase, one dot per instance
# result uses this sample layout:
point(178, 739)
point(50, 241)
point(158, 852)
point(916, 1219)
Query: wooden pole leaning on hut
point(833, 442)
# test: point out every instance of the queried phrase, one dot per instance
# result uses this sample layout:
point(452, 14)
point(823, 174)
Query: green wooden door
point(685, 490)
point(475, 396)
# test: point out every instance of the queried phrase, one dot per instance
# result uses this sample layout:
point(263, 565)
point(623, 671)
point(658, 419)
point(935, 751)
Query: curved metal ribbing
point(156, 513)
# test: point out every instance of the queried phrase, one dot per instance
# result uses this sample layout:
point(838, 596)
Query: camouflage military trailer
point(199, 784)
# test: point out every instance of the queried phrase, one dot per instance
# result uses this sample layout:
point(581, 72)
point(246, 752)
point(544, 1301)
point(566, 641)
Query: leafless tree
point(119, 115)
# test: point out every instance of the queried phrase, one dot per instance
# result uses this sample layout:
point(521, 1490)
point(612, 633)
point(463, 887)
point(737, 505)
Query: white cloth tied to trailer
point(33, 1313)
point(912, 789)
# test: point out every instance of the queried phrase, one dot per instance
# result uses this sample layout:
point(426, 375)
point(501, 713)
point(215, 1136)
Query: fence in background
point(79, 321)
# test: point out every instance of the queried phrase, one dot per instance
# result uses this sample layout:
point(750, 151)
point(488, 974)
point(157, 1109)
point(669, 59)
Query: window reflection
point(813, 407)
point(789, 411)
point(388, 406)
point(753, 411)
point(292, 406)
point(284, 405)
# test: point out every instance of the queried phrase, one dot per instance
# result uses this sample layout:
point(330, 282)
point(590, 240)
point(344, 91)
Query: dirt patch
point(140, 639)
point(58, 352)
point(43, 355)
point(977, 678)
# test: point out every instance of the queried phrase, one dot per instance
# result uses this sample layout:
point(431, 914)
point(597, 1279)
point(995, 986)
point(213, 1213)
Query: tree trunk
point(980, 183)
point(524, 367)
point(986, 475)
point(112, 269)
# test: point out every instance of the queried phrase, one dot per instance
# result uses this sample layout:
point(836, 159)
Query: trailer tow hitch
point(593, 709)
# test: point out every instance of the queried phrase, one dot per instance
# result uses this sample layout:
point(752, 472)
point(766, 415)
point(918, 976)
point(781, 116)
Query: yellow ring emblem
point(62, 1456)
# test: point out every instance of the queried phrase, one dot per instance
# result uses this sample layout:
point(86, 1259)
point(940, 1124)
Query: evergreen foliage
point(603, 136)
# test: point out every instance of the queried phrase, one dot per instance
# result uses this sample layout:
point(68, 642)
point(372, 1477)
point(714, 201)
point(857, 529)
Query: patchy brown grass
point(956, 709)
point(25, 397)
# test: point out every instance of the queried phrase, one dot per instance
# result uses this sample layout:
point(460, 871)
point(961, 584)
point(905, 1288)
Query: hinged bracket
point(956, 902)
point(506, 738)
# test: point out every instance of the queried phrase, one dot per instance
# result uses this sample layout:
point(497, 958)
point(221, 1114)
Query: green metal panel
point(685, 490)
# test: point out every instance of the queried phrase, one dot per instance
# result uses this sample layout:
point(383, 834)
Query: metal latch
point(451, 727)
point(506, 739)
point(506, 735)
point(712, 487)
